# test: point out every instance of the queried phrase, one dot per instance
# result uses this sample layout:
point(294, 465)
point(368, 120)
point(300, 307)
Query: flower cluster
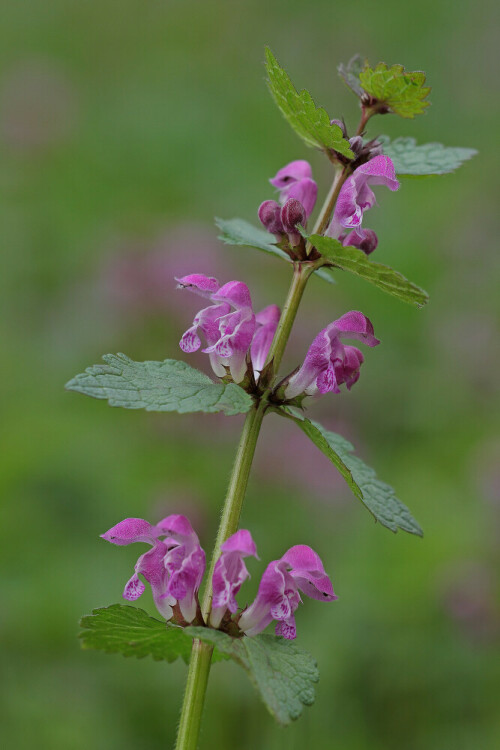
point(329, 362)
point(238, 340)
point(236, 337)
point(355, 197)
point(297, 198)
point(229, 325)
point(175, 565)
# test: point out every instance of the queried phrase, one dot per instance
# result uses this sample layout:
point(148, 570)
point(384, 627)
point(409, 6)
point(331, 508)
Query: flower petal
point(130, 530)
point(240, 542)
point(295, 170)
point(354, 325)
point(198, 283)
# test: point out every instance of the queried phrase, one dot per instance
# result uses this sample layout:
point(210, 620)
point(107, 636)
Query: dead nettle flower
point(297, 198)
point(300, 569)
point(329, 362)
point(229, 573)
point(356, 197)
point(267, 321)
point(229, 325)
point(174, 567)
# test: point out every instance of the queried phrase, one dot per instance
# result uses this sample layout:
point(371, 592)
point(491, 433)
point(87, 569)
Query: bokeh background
point(123, 129)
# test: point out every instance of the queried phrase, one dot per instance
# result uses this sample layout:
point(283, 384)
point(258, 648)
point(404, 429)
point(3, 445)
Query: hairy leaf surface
point(427, 159)
point(171, 385)
point(311, 123)
point(283, 674)
point(377, 496)
point(357, 262)
point(402, 91)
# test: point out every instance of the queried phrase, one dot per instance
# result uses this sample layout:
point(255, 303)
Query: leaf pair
point(174, 386)
point(283, 674)
point(238, 232)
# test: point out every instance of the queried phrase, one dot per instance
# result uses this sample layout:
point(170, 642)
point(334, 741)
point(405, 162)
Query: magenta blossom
point(329, 362)
point(300, 569)
point(228, 325)
point(356, 197)
point(174, 566)
point(295, 181)
point(267, 321)
point(229, 574)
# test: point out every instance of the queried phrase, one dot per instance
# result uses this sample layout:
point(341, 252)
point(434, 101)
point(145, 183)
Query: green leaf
point(159, 386)
point(378, 497)
point(240, 233)
point(351, 72)
point(403, 92)
point(427, 159)
point(282, 673)
point(132, 632)
point(311, 123)
point(355, 261)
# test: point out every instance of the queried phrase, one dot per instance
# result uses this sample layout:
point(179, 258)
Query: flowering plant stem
point(201, 655)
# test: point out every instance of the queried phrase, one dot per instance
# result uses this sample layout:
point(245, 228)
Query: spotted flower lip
point(300, 569)
point(230, 572)
point(228, 325)
point(174, 566)
point(356, 196)
point(329, 362)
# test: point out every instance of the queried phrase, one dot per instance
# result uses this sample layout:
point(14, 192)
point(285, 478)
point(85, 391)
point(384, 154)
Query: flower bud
point(293, 213)
point(269, 215)
point(364, 239)
point(356, 144)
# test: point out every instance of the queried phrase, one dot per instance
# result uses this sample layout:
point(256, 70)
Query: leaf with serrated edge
point(412, 160)
point(378, 497)
point(283, 674)
point(239, 232)
point(403, 91)
point(311, 123)
point(159, 386)
point(356, 261)
point(350, 74)
point(132, 632)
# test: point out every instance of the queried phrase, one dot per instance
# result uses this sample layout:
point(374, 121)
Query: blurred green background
point(124, 127)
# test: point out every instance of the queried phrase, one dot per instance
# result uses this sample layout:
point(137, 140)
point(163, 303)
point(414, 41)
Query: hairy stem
point(201, 654)
point(329, 204)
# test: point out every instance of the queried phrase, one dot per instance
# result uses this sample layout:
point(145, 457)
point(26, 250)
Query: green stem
point(301, 274)
point(194, 696)
point(329, 204)
point(201, 654)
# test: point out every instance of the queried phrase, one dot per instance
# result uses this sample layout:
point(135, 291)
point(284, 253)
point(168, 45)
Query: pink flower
point(356, 197)
point(228, 325)
point(300, 569)
point(174, 566)
point(229, 574)
point(295, 181)
point(329, 362)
